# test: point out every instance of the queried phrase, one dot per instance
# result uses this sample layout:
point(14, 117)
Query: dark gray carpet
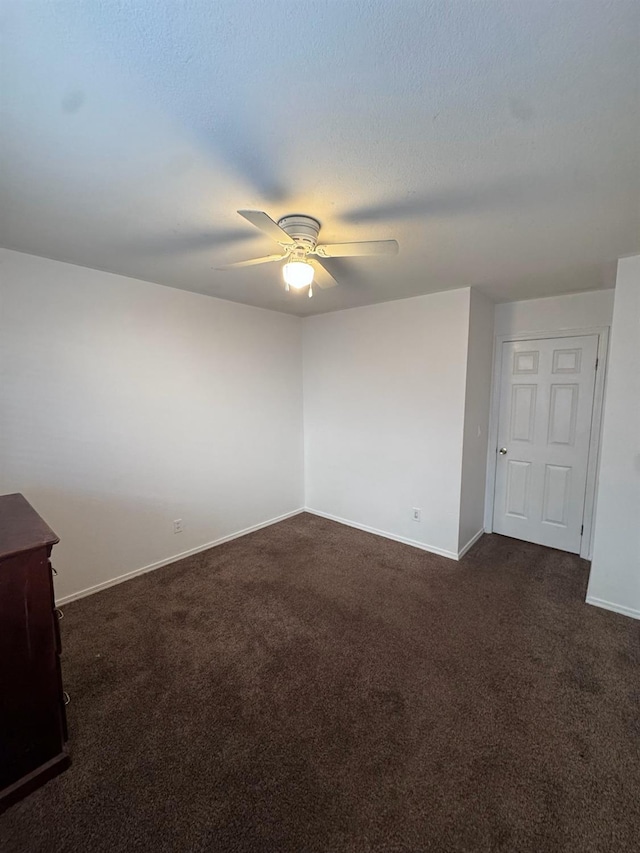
point(314, 688)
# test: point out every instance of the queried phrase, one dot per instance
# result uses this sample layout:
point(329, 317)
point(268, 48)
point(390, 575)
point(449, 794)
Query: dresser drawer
point(57, 616)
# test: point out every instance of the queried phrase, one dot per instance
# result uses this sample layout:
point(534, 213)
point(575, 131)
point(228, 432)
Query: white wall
point(476, 418)
point(614, 581)
point(384, 401)
point(126, 405)
point(555, 313)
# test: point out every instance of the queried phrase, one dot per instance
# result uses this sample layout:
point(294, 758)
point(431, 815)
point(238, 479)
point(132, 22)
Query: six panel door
point(544, 429)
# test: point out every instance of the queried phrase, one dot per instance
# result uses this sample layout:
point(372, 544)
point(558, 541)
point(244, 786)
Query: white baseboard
point(432, 549)
point(616, 608)
point(165, 562)
point(470, 543)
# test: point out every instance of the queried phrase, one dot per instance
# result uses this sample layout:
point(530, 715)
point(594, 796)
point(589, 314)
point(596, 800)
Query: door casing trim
point(596, 423)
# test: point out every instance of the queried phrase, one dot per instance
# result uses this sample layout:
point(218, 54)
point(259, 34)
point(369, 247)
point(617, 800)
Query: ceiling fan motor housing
point(303, 229)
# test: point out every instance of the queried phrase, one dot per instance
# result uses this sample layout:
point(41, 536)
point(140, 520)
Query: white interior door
point(544, 428)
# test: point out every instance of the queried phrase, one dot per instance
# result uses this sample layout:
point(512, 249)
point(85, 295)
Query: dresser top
point(21, 528)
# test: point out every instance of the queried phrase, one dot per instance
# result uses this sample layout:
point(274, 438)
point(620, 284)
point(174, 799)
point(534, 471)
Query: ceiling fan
point(297, 236)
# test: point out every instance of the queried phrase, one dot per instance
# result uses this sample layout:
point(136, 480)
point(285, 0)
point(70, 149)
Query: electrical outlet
point(416, 513)
point(177, 525)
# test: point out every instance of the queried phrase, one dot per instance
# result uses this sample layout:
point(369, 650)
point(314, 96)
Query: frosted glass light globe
point(297, 274)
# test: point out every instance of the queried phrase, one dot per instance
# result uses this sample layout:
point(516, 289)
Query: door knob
point(503, 451)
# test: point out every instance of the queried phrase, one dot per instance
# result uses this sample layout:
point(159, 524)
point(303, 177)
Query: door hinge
point(597, 360)
point(582, 530)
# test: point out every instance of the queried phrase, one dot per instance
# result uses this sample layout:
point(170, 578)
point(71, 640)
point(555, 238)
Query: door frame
point(596, 423)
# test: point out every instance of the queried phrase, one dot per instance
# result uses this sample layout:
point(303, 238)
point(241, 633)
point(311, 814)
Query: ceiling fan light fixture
point(298, 274)
point(297, 236)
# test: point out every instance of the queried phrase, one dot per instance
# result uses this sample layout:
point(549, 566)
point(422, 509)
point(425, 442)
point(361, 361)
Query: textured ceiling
point(498, 142)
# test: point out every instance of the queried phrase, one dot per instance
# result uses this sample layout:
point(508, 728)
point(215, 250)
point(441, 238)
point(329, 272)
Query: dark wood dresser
point(33, 725)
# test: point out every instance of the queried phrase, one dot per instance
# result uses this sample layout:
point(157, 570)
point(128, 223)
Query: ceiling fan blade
point(267, 259)
point(322, 277)
point(266, 224)
point(350, 250)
